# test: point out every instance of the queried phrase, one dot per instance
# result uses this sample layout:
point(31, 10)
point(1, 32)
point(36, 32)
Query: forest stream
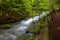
point(19, 28)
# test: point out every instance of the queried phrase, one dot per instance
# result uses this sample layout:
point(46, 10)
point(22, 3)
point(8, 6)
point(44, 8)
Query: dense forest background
point(13, 10)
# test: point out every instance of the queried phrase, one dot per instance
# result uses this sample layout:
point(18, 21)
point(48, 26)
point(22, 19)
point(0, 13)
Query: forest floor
point(54, 27)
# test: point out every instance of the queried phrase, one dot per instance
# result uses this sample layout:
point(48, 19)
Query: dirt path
point(55, 27)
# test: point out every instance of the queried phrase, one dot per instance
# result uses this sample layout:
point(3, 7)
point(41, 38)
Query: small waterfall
point(19, 28)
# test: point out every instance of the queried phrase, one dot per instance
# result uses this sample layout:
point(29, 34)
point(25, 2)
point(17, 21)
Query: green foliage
point(54, 3)
point(28, 5)
point(41, 5)
point(12, 10)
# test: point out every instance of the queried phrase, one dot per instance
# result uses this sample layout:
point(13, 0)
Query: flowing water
point(19, 29)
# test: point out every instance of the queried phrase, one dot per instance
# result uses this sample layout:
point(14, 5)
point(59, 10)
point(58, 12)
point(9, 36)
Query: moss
point(31, 38)
point(46, 34)
point(7, 26)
